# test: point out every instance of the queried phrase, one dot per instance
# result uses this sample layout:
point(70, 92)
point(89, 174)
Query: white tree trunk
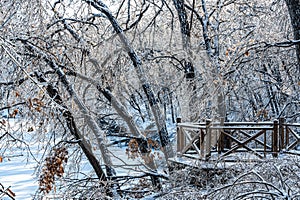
point(98, 133)
point(123, 113)
point(158, 116)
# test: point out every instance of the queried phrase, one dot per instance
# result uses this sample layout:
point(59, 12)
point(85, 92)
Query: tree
point(159, 120)
point(294, 12)
point(88, 77)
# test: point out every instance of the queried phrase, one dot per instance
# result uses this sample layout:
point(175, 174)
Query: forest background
point(86, 79)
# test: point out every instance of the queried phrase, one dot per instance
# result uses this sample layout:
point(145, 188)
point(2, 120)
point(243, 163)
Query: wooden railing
point(225, 138)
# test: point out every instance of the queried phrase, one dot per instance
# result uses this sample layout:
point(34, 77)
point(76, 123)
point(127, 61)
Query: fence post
point(287, 137)
point(265, 144)
point(221, 137)
point(282, 144)
point(180, 137)
point(208, 139)
point(275, 138)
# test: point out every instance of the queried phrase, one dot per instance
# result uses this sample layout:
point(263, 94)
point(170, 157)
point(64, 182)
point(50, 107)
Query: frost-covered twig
point(6, 192)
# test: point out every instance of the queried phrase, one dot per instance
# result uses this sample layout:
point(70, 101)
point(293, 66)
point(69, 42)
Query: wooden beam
point(180, 137)
point(208, 139)
point(275, 138)
point(281, 134)
point(243, 143)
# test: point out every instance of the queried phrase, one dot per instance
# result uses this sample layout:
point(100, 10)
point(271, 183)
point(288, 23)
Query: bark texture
point(158, 116)
point(185, 29)
point(90, 121)
point(294, 12)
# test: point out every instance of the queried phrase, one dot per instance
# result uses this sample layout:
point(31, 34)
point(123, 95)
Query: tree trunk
point(121, 110)
point(294, 12)
point(159, 119)
point(90, 121)
point(134, 130)
point(85, 146)
point(184, 24)
point(189, 67)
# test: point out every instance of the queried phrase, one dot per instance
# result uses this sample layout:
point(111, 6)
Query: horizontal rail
point(202, 124)
point(234, 123)
point(244, 127)
point(205, 137)
point(291, 124)
point(190, 125)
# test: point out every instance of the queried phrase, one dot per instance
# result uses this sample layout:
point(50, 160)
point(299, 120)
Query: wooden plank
point(243, 144)
point(294, 134)
point(257, 140)
point(275, 138)
point(221, 142)
point(220, 146)
point(235, 149)
point(265, 144)
point(268, 123)
point(208, 139)
point(191, 144)
point(203, 165)
point(202, 142)
point(292, 152)
point(238, 124)
point(292, 124)
point(220, 159)
point(243, 127)
point(242, 149)
point(281, 134)
point(190, 126)
point(248, 123)
point(287, 137)
point(291, 146)
point(250, 127)
point(180, 136)
point(180, 139)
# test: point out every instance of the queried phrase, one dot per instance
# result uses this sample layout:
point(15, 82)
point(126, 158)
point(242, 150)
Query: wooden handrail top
point(243, 127)
point(249, 123)
point(245, 123)
point(232, 123)
point(292, 124)
point(191, 126)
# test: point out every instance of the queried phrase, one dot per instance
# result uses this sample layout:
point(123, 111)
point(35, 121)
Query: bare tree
point(293, 6)
point(83, 78)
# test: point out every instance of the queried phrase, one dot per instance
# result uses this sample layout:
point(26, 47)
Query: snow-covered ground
point(17, 169)
point(18, 174)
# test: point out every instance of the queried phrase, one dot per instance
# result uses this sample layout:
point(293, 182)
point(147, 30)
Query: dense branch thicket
point(99, 77)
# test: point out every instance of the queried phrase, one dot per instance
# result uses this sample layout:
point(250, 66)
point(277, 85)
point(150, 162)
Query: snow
point(17, 167)
point(18, 174)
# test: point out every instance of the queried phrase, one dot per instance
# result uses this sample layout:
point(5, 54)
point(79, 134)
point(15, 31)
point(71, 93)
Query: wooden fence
point(225, 138)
